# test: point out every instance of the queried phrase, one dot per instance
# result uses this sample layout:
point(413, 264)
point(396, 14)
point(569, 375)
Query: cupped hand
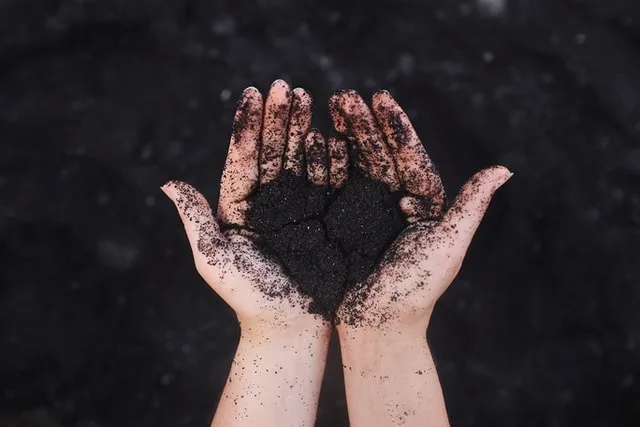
point(425, 258)
point(267, 138)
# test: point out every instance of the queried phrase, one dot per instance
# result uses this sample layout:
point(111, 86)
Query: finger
point(240, 175)
point(299, 125)
point(341, 126)
point(338, 162)
point(316, 156)
point(463, 217)
point(339, 120)
point(416, 171)
point(274, 130)
point(358, 122)
point(208, 244)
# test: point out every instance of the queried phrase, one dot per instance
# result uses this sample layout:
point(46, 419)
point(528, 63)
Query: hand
point(426, 257)
point(277, 370)
point(390, 377)
point(265, 140)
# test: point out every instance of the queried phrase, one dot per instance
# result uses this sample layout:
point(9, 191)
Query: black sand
point(328, 240)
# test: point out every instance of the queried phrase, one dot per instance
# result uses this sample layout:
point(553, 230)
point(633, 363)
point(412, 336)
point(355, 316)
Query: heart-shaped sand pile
point(328, 240)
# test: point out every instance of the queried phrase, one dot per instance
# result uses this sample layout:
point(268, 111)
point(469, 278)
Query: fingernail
point(504, 178)
point(301, 92)
point(166, 188)
point(249, 89)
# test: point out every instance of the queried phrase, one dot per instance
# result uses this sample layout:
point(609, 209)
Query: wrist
point(362, 341)
point(372, 354)
point(394, 367)
point(384, 335)
point(303, 332)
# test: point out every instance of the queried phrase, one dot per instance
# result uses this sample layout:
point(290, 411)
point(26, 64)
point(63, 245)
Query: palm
point(254, 285)
point(410, 278)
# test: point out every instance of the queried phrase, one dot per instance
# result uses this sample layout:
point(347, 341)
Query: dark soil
point(327, 240)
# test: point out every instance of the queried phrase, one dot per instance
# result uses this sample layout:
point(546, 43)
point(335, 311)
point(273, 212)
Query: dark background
point(103, 319)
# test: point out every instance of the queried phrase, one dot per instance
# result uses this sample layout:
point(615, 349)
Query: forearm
point(275, 379)
point(391, 379)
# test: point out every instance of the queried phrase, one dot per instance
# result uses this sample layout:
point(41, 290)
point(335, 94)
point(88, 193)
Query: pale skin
point(277, 370)
point(390, 376)
point(278, 366)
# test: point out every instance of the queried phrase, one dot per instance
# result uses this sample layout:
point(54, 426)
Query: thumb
point(465, 214)
point(206, 240)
